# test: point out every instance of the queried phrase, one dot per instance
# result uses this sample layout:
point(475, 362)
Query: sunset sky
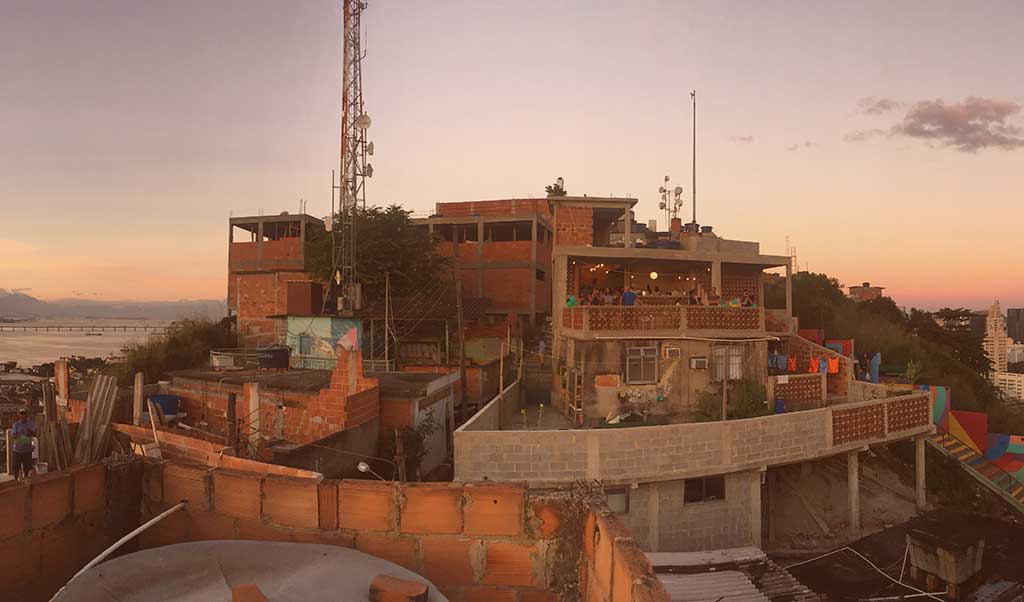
point(885, 139)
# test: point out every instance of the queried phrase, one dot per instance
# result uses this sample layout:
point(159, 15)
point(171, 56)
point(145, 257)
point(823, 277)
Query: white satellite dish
point(678, 190)
point(369, 150)
point(363, 121)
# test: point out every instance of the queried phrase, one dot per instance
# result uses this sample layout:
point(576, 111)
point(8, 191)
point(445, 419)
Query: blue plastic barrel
point(780, 406)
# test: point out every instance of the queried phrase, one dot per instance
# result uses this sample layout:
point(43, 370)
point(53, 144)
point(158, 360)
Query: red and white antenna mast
point(354, 151)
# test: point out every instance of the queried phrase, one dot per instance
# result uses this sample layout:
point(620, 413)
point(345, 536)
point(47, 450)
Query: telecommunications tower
point(354, 166)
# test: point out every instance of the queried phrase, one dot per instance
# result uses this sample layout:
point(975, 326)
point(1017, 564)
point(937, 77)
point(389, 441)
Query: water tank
point(274, 357)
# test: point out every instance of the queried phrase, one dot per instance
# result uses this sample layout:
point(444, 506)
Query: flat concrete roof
point(281, 217)
point(290, 380)
point(622, 253)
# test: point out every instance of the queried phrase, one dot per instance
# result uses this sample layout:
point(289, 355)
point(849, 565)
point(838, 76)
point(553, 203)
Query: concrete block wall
point(474, 541)
point(708, 525)
point(49, 528)
point(661, 453)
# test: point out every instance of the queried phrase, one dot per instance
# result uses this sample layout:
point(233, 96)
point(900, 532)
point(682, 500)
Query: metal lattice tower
point(354, 151)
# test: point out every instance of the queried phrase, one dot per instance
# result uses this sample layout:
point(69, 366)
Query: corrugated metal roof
point(727, 586)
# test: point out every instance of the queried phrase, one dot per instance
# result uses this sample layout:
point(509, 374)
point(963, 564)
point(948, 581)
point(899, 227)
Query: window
point(727, 362)
point(703, 490)
point(641, 365)
point(618, 500)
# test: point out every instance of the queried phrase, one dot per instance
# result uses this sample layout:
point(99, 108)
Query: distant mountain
point(19, 305)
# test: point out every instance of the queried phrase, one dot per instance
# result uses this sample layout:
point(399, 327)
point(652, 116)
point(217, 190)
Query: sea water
point(33, 347)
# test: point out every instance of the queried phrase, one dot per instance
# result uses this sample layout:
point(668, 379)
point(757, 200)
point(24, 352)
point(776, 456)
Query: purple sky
point(883, 138)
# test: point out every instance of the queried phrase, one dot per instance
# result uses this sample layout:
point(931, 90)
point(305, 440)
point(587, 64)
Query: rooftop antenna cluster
point(354, 168)
point(671, 202)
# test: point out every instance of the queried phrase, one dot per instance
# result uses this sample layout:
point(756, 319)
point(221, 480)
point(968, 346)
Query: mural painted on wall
point(320, 336)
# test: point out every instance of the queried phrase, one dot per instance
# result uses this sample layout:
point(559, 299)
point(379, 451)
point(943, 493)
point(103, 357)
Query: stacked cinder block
point(49, 528)
point(574, 226)
point(474, 541)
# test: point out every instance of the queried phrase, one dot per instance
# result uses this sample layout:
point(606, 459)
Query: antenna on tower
point(354, 166)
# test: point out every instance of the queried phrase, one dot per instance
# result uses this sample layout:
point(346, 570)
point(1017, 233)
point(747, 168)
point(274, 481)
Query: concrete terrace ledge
point(553, 458)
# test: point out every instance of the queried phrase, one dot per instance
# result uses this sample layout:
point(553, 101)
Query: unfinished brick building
point(268, 273)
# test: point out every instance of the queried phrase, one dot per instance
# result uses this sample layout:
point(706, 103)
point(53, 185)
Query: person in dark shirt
point(713, 297)
point(747, 300)
point(628, 297)
point(22, 432)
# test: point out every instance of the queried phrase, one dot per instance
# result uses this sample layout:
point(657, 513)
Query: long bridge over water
point(14, 327)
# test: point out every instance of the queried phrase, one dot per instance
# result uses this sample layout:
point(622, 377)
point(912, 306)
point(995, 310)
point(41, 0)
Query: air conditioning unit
point(670, 352)
point(698, 363)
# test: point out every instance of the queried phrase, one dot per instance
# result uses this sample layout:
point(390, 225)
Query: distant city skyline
point(883, 139)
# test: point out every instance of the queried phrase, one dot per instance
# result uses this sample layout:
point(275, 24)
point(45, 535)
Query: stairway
point(983, 471)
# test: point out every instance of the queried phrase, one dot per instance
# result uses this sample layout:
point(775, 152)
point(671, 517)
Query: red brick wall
point(508, 251)
point(473, 541)
point(524, 207)
point(614, 567)
point(508, 288)
point(49, 528)
point(574, 226)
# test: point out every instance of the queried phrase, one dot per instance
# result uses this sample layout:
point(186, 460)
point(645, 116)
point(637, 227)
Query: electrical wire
point(873, 566)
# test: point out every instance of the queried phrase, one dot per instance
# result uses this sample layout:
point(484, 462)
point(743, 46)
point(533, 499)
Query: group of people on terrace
point(626, 296)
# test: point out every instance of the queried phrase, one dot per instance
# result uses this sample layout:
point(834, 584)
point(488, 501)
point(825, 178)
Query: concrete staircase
point(983, 471)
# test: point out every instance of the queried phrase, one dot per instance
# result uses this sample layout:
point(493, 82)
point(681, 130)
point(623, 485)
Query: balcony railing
point(651, 318)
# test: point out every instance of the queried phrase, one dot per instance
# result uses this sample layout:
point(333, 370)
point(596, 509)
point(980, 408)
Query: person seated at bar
point(596, 298)
point(571, 301)
point(747, 300)
point(713, 297)
point(609, 297)
point(692, 298)
point(628, 297)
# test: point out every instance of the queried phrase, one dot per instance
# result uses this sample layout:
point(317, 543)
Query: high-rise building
point(1015, 324)
point(995, 338)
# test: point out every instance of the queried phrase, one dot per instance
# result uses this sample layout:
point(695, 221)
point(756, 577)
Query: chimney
point(677, 225)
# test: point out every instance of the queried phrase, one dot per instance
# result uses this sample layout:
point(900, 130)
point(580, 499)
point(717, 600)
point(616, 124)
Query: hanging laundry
point(791, 364)
point(782, 361)
point(823, 365)
point(813, 365)
point(833, 365)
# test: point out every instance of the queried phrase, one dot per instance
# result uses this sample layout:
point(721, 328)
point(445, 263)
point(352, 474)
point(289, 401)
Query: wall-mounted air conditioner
point(698, 363)
point(670, 352)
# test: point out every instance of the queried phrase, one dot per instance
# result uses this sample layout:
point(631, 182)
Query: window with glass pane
point(641, 365)
point(727, 362)
point(618, 500)
point(704, 489)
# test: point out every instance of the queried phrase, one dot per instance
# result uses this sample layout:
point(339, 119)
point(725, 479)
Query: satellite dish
point(662, 190)
point(363, 121)
point(661, 205)
point(369, 150)
point(369, 170)
point(678, 190)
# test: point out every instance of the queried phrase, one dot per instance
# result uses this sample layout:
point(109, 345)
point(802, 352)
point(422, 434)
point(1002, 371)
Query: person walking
point(23, 431)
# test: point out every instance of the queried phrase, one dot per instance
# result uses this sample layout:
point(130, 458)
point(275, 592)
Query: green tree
point(186, 344)
point(386, 243)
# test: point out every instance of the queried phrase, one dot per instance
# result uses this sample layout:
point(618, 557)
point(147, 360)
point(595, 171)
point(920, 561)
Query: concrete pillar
point(853, 488)
point(919, 473)
point(653, 516)
point(533, 263)
point(789, 291)
point(716, 275)
point(755, 507)
point(627, 231)
point(480, 258)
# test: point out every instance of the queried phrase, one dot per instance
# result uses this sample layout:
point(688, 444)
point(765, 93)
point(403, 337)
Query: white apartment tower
point(995, 344)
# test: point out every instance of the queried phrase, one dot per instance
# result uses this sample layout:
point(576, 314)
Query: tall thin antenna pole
point(693, 95)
